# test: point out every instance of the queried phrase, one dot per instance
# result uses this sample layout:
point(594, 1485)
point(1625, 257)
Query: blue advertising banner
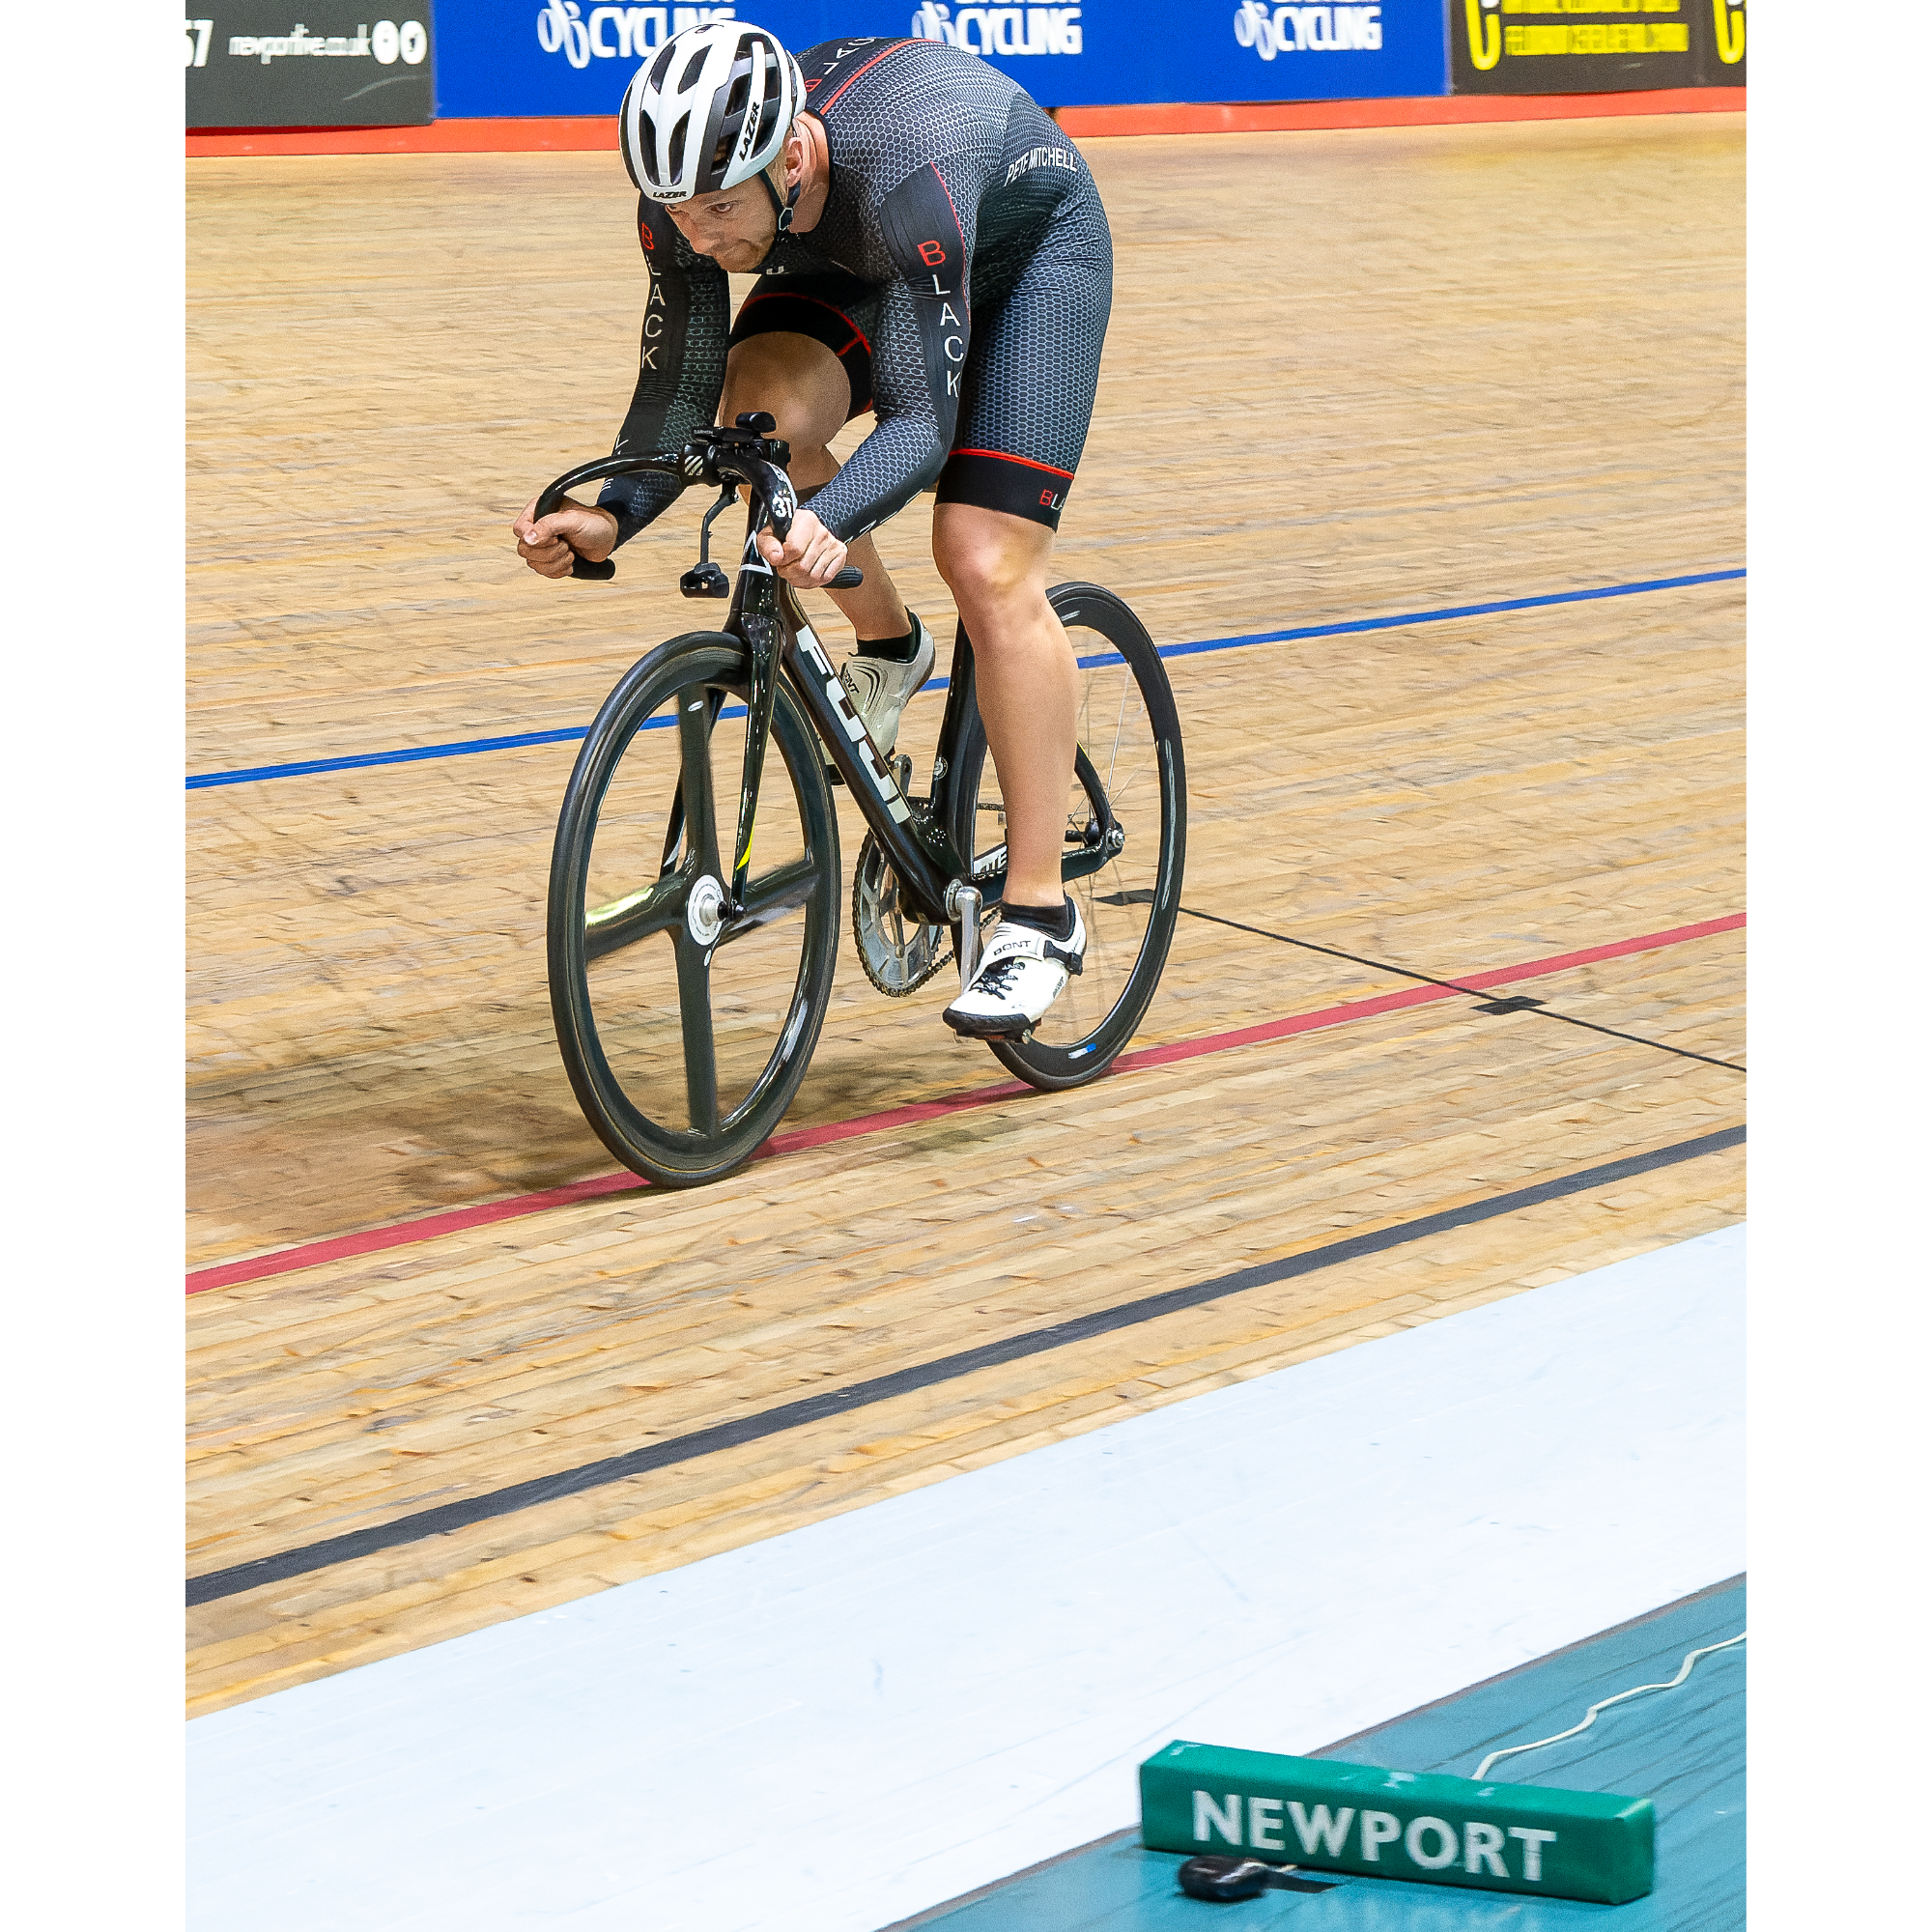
point(531, 57)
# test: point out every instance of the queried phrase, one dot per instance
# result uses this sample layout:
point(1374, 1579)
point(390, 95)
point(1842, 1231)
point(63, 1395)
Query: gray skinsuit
point(962, 271)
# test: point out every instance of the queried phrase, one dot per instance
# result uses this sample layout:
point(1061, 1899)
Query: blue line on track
point(307, 767)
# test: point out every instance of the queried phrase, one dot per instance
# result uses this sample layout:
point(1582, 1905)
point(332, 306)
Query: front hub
point(705, 912)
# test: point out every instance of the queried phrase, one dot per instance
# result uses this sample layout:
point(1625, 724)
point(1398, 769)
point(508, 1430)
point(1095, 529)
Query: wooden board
point(1349, 374)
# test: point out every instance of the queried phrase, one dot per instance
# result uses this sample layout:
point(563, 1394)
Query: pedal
point(704, 580)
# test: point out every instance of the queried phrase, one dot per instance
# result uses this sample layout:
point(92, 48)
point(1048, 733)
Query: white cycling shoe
point(1022, 972)
point(879, 688)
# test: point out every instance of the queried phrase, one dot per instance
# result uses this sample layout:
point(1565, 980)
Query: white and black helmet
point(712, 109)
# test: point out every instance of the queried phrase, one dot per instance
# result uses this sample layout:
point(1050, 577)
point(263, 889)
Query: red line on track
point(455, 1220)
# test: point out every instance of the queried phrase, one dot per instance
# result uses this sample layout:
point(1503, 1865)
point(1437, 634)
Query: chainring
point(899, 952)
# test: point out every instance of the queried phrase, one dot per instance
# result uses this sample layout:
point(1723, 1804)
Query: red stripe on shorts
point(788, 294)
point(1001, 456)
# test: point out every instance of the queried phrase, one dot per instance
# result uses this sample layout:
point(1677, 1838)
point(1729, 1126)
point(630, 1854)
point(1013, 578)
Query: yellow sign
point(1729, 22)
point(1596, 40)
point(1485, 53)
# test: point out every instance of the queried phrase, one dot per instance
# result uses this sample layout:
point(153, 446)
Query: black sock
point(896, 650)
point(1056, 922)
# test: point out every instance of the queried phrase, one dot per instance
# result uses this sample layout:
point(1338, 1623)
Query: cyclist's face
point(736, 229)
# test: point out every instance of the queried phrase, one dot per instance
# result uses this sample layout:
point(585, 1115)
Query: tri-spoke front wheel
point(687, 1021)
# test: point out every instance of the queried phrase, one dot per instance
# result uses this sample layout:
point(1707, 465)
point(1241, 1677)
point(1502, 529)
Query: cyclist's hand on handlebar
point(810, 556)
point(576, 529)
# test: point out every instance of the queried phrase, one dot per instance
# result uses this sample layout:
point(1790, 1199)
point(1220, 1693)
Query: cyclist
point(930, 246)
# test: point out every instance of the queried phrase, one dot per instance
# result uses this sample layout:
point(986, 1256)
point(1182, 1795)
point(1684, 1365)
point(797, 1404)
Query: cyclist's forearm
point(661, 417)
point(655, 421)
point(900, 457)
point(680, 376)
point(637, 500)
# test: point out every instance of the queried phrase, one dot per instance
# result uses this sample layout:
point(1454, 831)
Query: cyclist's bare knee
point(802, 384)
point(992, 562)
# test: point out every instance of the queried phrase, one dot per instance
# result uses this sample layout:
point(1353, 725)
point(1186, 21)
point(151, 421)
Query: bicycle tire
point(626, 1104)
point(1085, 1031)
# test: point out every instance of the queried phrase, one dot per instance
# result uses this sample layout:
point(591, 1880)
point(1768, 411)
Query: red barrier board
point(598, 133)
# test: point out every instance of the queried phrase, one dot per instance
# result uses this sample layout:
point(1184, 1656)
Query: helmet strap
point(785, 208)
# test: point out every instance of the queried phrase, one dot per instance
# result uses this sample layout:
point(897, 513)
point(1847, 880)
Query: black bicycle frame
point(766, 617)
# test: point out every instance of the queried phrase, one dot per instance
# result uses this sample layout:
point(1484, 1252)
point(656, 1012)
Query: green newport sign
point(1398, 1824)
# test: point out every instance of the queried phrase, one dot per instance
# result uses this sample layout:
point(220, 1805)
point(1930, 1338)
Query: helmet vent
point(709, 108)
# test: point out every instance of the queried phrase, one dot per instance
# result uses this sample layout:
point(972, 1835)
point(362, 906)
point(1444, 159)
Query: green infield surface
point(1681, 1749)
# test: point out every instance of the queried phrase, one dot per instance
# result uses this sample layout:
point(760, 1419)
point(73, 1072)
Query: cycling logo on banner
point(999, 30)
point(1317, 30)
point(616, 33)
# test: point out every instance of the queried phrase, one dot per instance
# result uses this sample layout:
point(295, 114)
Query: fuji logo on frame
point(1316, 30)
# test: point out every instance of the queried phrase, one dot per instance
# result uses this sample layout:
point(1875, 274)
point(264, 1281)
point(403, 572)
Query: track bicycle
point(695, 886)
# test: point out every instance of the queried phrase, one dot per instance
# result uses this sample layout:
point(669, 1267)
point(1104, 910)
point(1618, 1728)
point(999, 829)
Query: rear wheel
point(686, 1026)
point(1126, 839)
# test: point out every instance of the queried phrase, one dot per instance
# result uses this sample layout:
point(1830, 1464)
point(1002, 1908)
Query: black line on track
point(1474, 992)
point(454, 1516)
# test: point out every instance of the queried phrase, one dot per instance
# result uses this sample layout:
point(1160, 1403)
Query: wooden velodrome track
point(1349, 375)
